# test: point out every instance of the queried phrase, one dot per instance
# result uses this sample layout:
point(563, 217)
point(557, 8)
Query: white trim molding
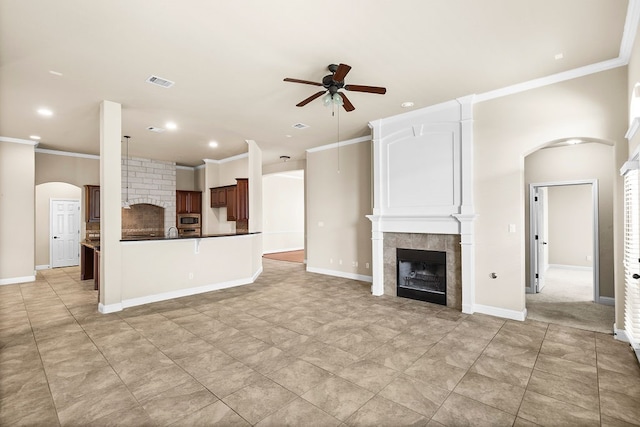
point(43, 267)
point(500, 312)
point(342, 274)
point(18, 141)
point(339, 144)
point(16, 280)
point(133, 302)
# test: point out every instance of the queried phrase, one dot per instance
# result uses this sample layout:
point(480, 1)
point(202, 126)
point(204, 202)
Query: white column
point(110, 207)
point(377, 257)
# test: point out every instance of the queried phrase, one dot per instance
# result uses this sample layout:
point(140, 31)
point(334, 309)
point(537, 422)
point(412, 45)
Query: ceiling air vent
point(300, 126)
point(160, 81)
point(155, 129)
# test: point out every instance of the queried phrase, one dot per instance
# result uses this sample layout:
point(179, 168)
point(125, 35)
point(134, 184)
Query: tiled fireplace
point(446, 244)
point(423, 197)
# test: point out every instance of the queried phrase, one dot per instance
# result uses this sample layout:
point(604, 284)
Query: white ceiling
point(229, 58)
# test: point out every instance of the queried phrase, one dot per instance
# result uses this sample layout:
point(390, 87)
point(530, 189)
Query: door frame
point(595, 229)
point(78, 227)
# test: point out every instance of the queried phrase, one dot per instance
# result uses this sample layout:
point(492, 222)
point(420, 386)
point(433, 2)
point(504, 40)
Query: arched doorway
point(569, 243)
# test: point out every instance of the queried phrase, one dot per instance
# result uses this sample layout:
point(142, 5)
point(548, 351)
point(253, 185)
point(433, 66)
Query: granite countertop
point(204, 236)
point(94, 244)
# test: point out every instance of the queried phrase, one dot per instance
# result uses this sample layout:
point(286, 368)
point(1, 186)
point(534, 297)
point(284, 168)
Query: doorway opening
point(564, 282)
point(563, 232)
point(283, 216)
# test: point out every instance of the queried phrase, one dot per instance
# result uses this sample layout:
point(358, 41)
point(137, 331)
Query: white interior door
point(541, 232)
point(65, 233)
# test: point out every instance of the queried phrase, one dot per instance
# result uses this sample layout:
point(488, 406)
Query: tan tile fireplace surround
point(448, 243)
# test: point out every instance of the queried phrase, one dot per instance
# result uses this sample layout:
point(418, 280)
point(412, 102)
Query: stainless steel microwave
point(188, 220)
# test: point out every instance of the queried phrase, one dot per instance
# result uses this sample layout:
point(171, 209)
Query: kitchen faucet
point(169, 231)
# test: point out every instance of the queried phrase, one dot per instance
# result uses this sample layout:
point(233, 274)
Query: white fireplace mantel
point(422, 182)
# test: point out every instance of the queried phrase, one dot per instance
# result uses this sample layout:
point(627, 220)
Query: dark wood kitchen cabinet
point(92, 203)
point(188, 202)
point(234, 197)
point(242, 199)
point(231, 203)
point(218, 197)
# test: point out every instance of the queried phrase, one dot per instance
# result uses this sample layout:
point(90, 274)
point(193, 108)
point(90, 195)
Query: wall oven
point(189, 232)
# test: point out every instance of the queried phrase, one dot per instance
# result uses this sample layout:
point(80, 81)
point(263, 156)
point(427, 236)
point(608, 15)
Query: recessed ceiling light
point(45, 112)
point(406, 104)
point(559, 55)
point(573, 141)
point(55, 73)
point(213, 144)
point(171, 126)
point(288, 136)
point(285, 158)
point(36, 137)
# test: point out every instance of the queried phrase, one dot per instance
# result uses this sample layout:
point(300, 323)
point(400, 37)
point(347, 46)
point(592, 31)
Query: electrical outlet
point(589, 258)
point(366, 266)
point(330, 260)
point(354, 264)
point(340, 261)
point(190, 276)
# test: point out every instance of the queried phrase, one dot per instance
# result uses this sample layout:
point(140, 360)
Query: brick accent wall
point(152, 182)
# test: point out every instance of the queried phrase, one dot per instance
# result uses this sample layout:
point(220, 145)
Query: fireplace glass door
point(422, 275)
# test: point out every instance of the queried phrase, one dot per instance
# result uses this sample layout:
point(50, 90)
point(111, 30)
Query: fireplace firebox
point(422, 275)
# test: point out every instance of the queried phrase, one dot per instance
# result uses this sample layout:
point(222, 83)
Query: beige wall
point(17, 212)
point(78, 171)
point(506, 129)
point(283, 220)
point(580, 162)
point(570, 220)
point(185, 179)
point(44, 193)
point(337, 202)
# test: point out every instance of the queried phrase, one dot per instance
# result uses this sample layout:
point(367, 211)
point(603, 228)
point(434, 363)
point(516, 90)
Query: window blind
point(632, 256)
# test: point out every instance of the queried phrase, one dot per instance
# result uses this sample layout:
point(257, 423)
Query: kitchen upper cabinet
point(218, 197)
point(92, 203)
point(242, 199)
point(231, 203)
point(234, 197)
point(188, 202)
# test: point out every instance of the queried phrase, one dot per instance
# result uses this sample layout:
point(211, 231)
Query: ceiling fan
point(334, 82)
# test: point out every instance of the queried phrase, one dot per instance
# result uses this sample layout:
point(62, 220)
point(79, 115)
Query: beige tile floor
point(297, 349)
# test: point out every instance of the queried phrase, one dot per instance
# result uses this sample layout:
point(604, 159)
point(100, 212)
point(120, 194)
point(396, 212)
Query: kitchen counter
point(204, 236)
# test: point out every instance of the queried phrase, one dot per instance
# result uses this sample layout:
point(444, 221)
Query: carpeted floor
point(291, 256)
point(567, 299)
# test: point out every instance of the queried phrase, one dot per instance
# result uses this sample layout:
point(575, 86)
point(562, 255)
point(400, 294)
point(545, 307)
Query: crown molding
point(67, 154)
point(18, 141)
point(339, 144)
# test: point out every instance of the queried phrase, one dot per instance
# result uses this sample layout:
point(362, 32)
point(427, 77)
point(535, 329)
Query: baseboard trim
point(500, 312)
point(607, 301)
point(43, 267)
point(571, 267)
point(133, 302)
point(620, 334)
point(16, 280)
point(342, 274)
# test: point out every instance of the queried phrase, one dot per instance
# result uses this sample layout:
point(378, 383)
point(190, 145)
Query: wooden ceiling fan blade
point(368, 89)
point(309, 99)
point(307, 82)
point(341, 72)
point(346, 104)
